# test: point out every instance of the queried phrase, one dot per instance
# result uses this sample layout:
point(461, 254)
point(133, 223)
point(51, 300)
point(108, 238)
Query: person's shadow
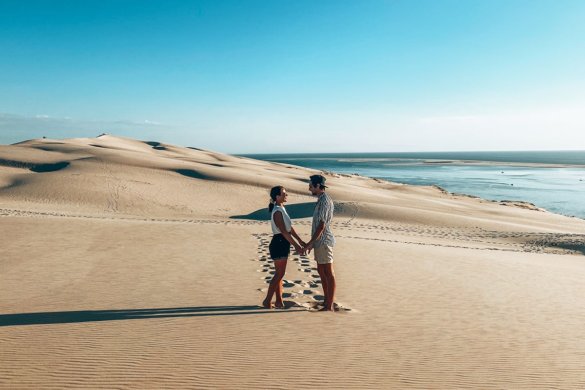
point(66, 317)
point(295, 211)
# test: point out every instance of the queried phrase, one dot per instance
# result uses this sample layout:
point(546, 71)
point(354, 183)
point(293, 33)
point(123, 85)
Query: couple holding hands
point(322, 241)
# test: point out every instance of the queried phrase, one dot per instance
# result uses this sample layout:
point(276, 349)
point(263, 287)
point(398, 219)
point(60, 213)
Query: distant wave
point(534, 157)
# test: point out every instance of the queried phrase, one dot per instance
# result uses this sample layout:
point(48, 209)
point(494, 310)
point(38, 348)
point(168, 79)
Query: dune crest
point(152, 178)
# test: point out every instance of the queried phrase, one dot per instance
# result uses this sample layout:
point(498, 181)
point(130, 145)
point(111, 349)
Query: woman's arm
point(295, 235)
point(279, 221)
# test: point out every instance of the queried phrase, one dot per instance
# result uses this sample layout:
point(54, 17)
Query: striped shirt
point(323, 212)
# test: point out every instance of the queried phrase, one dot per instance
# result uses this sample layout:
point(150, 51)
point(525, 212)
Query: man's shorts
point(323, 254)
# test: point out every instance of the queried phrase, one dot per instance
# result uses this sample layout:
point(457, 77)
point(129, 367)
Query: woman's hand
point(299, 249)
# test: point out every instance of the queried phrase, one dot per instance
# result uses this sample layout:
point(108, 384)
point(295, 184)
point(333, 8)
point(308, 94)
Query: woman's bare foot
point(267, 304)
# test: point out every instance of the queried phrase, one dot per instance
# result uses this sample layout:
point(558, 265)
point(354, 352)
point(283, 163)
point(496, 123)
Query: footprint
point(340, 307)
point(292, 304)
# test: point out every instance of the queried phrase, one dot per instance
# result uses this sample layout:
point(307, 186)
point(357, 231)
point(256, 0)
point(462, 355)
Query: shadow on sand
point(571, 246)
point(295, 211)
point(67, 317)
point(41, 168)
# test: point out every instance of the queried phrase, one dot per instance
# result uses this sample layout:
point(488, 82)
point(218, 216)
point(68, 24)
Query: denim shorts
point(279, 247)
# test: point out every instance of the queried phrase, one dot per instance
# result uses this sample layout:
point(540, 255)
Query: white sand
point(135, 265)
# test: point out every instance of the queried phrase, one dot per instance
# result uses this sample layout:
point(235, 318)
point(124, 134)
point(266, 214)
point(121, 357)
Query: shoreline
point(504, 202)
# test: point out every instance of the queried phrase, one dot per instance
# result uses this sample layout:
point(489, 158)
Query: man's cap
point(318, 179)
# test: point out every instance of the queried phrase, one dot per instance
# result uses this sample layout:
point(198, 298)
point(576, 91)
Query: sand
point(134, 265)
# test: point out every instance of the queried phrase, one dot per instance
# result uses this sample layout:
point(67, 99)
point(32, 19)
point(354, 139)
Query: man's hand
point(299, 249)
point(308, 247)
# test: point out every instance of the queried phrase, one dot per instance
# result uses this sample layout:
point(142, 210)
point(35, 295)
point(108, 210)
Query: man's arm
point(318, 233)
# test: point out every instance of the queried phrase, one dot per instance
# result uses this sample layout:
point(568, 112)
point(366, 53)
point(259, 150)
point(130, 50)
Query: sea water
point(490, 175)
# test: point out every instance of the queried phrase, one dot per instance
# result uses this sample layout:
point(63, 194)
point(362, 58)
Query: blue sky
point(297, 76)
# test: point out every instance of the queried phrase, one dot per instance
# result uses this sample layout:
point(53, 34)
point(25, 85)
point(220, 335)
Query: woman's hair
point(274, 192)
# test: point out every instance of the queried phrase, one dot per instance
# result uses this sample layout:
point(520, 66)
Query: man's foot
point(279, 304)
point(328, 306)
point(267, 304)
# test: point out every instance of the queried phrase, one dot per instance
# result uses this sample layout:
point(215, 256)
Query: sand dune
point(138, 264)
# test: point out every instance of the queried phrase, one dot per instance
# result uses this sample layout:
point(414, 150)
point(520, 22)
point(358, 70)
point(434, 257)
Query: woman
point(280, 244)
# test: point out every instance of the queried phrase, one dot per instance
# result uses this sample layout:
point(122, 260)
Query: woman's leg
point(275, 284)
point(280, 266)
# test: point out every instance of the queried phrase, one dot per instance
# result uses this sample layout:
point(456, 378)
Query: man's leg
point(331, 286)
point(323, 276)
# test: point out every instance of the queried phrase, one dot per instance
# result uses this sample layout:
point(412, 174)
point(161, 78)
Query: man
point(322, 240)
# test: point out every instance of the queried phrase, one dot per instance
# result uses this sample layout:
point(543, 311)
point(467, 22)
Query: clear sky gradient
point(297, 76)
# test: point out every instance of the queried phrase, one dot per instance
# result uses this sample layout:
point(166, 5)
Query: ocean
point(490, 175)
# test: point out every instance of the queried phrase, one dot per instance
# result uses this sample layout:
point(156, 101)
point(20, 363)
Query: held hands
point(303, 248)
point(299, 249)
point(308, 247)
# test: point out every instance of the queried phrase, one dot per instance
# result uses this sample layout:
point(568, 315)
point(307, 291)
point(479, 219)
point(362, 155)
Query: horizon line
point(434, 151)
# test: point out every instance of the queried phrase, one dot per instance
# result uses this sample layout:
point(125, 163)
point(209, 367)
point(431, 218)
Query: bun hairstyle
point(274, 192)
